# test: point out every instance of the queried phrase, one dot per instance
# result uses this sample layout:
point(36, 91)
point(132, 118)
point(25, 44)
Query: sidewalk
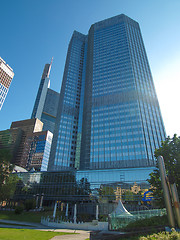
point(81, 235)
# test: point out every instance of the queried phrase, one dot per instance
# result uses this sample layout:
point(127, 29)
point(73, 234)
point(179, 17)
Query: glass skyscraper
point(46, 103)
point(108, 113)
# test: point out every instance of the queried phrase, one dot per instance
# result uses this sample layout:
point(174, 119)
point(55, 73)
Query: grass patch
point(24, 217)
point(27, 234)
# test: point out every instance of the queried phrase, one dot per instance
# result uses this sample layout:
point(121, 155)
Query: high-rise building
point(42, 91)
point(37, 149)
point(46, 103)
point(6, 76)
point(49, 113)
point(108, 113)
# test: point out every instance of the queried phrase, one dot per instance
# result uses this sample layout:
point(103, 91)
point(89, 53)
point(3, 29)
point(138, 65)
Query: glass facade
point(41, 94)
point(6, 76)
point(63, 152)
point(86, 189)
point(46, 103)
point(3, 93)
point(108, 112)
point(123, 119)
point(37, 149)
point(49, 113)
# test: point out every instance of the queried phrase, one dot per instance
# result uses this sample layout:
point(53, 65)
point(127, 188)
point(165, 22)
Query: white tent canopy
point(120, 210)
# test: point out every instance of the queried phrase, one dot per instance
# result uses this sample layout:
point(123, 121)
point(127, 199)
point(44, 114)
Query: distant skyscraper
point(42, 92)
point(6, 76)
point(108, 113)
point(49, 113)
point(45, 107)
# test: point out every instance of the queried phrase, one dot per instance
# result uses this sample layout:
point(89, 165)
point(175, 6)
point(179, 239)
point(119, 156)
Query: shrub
point(163, 236)
point(148, 222)
point(30, 204)
point(19, 209)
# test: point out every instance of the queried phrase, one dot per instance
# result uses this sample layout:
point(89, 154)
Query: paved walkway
point(81, 235)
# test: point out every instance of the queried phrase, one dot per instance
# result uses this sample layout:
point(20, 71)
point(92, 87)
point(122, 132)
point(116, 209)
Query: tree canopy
point(5, 166)
point(106, 194)
point(7, 181)
point(170, 150)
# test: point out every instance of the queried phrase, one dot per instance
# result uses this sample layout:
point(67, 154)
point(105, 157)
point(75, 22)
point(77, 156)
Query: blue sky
point(34, 31)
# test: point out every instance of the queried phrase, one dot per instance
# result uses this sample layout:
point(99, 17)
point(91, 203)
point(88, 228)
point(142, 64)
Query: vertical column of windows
point(146, 88)
point(140, 84)
point(67, 137)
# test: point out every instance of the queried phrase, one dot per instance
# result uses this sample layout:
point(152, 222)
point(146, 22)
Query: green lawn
point(27, 234)
point(25, 216)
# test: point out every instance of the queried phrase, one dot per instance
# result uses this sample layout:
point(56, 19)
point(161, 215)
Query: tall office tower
point(49, 113)
point(70, 107)
point(6, 76)
point(45, 107)
point(108, 113)
point(42, 92)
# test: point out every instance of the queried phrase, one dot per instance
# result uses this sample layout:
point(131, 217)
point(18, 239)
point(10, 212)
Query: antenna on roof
point(50, 67)
point(51, 61)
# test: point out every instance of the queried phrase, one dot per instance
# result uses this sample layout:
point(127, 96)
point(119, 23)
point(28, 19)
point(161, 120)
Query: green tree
point(84, 187)
point(8, 188)
point(7, 181)
point(106, 194)
point(129, 196)
point(170, 150)
point(5, 166)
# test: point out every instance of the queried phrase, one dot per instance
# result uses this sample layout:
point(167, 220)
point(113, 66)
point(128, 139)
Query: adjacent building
point(27, 127)
point(45, 107)
point(10, 140)
point(6, 76)
point(108, 112)
point(28, 145)
point(36, 150)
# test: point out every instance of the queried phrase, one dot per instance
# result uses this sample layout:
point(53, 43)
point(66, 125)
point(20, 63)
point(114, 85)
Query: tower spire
point(50, 67)
point(51, 61)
